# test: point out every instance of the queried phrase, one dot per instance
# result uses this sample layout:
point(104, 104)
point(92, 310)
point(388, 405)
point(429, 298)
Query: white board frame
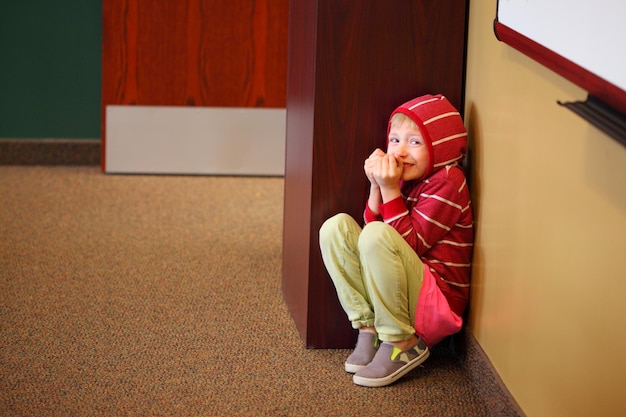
point(582, 40)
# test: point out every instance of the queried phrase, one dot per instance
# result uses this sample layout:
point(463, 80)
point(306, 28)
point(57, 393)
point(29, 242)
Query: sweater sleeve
point(435, 209)
point(369, 216)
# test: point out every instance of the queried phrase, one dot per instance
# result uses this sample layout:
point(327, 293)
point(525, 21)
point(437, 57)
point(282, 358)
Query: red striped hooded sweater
point(434, 214)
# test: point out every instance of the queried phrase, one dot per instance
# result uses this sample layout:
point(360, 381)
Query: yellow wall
point(549, 278)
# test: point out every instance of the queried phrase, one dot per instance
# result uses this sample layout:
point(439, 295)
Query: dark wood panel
point(369, 57)
point(299, 161)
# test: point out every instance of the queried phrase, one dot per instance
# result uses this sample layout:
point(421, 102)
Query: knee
point(332, 225)
point(370, 238)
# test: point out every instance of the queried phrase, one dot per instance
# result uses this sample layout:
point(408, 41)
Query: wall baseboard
point(49, 152)
point(488, 384)
point(194, 140)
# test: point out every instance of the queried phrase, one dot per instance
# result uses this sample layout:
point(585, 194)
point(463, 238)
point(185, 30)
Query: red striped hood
point(442, 129)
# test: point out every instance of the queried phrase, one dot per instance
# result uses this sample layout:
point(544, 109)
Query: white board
point(589, 33)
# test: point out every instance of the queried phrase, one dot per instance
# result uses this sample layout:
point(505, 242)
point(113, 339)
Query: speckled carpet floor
point(160, 296)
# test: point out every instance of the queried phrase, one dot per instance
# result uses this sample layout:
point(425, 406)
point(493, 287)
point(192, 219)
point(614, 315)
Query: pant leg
point(393, 276)
point(339, 238)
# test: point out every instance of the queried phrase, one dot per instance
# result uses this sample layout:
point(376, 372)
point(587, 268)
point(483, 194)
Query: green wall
point(50, 69)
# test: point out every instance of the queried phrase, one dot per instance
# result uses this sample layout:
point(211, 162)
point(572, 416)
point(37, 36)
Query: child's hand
point(389, 171)
point(372, 165)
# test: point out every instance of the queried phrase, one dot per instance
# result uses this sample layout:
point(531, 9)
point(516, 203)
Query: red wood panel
point(194, 52)
point(350, 64)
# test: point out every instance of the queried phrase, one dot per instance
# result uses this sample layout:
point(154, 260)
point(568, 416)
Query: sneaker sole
point(352, 368)
point(390, 379)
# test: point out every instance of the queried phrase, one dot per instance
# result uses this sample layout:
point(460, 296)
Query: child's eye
point(416, 141)
point(393, 140)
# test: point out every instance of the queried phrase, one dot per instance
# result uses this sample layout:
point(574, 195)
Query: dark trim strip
point(49, 152)
point(601, 116)
point(487, 382)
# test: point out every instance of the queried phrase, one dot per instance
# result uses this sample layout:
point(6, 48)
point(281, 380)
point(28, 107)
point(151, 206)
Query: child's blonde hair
point(398, 119)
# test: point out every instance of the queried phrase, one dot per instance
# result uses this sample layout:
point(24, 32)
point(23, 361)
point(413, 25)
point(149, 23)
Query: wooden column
point(350, 63)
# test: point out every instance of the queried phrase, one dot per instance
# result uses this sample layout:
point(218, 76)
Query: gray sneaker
point(391, 364)
point(366, 347)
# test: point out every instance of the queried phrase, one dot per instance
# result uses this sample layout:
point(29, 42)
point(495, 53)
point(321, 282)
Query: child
point(403, 279)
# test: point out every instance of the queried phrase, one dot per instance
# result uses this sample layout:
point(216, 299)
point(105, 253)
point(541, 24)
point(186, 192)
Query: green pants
point(377, 275)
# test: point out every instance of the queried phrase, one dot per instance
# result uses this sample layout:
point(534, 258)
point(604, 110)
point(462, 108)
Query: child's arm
point(388, 176)
point(441, 203)
point(375, 197)
point(384, 172)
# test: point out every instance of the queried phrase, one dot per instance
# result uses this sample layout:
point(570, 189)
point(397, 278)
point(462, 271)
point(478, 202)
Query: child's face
point(407, 145)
